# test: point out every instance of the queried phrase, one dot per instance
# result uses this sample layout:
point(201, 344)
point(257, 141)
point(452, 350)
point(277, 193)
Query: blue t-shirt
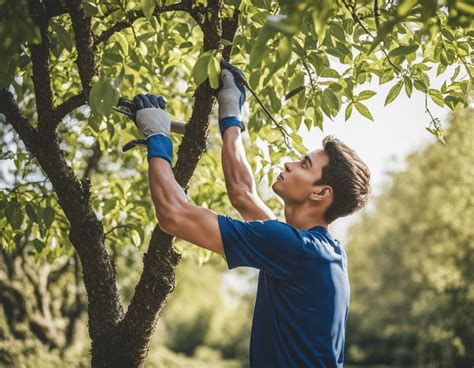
point(303, 291)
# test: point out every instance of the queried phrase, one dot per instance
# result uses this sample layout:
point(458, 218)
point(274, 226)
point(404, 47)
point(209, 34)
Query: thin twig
point(433, 119)
point(311, 80)
point(114, 228)
point(17, 186)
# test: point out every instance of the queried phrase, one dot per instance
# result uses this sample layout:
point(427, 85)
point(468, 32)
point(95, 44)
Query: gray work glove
point(151, 117)
point(230, 97)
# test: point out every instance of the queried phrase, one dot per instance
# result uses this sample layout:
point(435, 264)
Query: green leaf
point(394, 92)
point(135, 237)
point(90, 8)
point(386, 76)
point(451, 102)
point(222, 41)
point(14, 215)
point(365, 95)
point(122, 41)
point(404, 7)
point(331, 100)
point(102, 97)
point(320, 15)
point(296, 81)
point(363, 110)
point(148, 6)
point(259, 48)
point(48, 216)
point(348, 112)
point(441, 69)
point(456, 72)
point(420, 85)
point(214, 71)
point(403, 50)
point(63, 36)
point(436, 96)
point(30, 211)
point(438, 133)
point(200, 69)
point(284, 50)
point(408, 86)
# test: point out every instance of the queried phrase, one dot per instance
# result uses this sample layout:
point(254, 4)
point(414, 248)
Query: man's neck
point(304, 218)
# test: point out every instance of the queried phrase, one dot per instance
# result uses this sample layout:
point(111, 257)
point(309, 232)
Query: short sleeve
point(271, 245)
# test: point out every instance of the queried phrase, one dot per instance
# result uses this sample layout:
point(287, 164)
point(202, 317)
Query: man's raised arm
point(175, 215)
point(239, 180)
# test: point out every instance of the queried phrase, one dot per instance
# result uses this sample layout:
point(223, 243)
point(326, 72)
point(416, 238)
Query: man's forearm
point(166, 193)
point(176, 216)
point(237, 171)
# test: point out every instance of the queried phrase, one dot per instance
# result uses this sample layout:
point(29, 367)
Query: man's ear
point(321, 193)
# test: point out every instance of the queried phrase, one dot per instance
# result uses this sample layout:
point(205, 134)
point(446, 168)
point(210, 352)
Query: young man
point(303, 290)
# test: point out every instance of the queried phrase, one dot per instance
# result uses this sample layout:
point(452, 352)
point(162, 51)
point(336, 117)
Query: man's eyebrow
point(306, 157)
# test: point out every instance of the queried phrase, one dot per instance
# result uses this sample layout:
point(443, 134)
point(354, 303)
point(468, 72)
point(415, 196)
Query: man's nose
point(287, 166)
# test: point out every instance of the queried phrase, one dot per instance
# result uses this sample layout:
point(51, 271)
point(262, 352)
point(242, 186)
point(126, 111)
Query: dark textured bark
point(69, 105)
point(92, 162)
point(81, 24)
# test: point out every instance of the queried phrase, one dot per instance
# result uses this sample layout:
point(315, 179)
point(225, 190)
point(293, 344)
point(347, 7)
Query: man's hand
point(154, 122)
point(151, 117)
point(231, 97)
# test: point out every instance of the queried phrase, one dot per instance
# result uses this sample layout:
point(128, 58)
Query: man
point(303, 290)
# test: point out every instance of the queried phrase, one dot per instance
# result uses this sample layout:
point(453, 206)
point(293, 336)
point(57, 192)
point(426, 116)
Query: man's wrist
point(160, 145)
point(229, 121)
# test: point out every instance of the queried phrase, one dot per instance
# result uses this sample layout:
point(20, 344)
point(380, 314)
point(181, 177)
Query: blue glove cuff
point(159, 145)
point(229, 121)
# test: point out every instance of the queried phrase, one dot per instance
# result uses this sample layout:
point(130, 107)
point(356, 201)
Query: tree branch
point(229, 28)
point(70, 105)
point(184, 5)
point(42, 80)
point(376, 14)
point(92, 162)
point(81, 24)
point(23, 127)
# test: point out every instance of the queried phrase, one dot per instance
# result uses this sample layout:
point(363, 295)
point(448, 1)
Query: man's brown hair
point(348, 176)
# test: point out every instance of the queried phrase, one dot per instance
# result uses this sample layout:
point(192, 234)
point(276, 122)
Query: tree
point(68, 61)
point(411, 261)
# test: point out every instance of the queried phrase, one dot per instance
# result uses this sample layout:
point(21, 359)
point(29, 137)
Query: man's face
point(296, 183)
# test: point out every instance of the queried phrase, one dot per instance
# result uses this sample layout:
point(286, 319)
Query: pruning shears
point(128, 108)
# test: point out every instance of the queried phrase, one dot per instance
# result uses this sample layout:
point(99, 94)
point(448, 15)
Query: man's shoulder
point(321, 243)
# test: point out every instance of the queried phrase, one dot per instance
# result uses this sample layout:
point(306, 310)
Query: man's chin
point(275, 188)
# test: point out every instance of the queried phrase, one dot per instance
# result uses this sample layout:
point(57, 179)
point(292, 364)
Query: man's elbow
point(240, 200)
point(167, 220)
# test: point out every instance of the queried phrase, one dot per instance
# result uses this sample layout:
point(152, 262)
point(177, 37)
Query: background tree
point(67, 62)
point(412, 261)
